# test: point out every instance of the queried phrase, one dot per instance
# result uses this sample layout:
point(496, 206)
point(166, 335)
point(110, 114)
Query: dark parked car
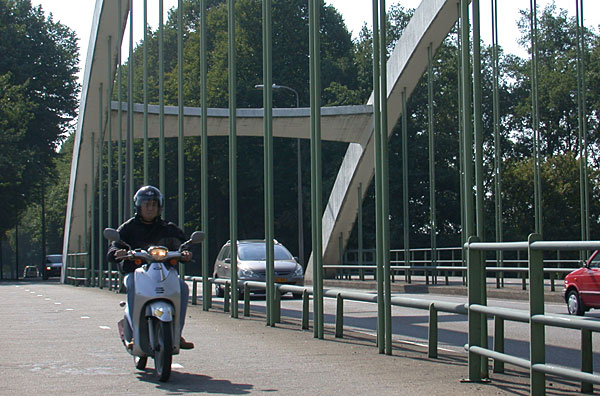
point(582, 287)
point(252, 265)
point(51, 266)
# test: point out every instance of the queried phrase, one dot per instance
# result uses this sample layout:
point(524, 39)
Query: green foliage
point(38, 100)
point(560, 201)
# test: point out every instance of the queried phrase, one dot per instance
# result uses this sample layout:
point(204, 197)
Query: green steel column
point(584, 127)
point(206, 289)
point(497, 145)
point(582, 118)
point(476, 271)
point(318, 156)
point(537, 334)
point(93, 212)
point(360, 231)
point(314, 241)
point(385, 202)
point(432, 210)
point(146, 92)
point(467, 125)
point(580, 132)
point(232, 157)
point(161, 102)
point(100, 192)
point(315, 279)
point(478, 120)
point(405, 217)
point(268, 157)
point(180, 152)
point(130, 112)
point(378, 181)
point(537, 184)
point(316, 174)
point(85, 235)
point(120, 117)
point(109, 189)
point(461, 142)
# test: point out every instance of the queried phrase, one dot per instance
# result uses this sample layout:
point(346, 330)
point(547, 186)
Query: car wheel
point(574, 304)
point(219, 292)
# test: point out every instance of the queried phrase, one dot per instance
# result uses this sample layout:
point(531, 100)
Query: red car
point(582, 287)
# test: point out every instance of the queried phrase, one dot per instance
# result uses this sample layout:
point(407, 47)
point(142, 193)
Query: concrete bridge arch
point(429, 26)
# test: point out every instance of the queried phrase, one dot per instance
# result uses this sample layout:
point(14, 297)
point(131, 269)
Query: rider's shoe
point(183, 344)
point(128, 344)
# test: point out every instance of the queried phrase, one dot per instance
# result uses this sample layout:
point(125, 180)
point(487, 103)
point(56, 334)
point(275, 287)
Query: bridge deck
point(231, 357)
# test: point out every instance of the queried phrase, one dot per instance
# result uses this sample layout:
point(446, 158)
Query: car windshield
point(595, 263)
point(55, 258)
point(258, 252)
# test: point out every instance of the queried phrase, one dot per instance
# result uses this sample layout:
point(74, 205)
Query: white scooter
point(154, 319)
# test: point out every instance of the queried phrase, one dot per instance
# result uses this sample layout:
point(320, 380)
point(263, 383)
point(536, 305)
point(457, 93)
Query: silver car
point(252, 265)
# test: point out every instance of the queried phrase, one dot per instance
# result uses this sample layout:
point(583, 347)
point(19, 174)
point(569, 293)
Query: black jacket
point(138, 234)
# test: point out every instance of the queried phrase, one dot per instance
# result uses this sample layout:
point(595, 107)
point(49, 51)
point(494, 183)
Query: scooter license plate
point(280, 280)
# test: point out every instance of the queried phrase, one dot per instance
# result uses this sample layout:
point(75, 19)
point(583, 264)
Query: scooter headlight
point(158, 253)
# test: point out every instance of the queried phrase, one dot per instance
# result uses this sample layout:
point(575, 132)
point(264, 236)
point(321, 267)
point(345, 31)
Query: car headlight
point(245, 273)
point(158, 253)
point(299, 272)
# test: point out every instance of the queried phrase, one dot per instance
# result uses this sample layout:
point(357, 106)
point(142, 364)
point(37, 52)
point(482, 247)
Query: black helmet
point(147, 193)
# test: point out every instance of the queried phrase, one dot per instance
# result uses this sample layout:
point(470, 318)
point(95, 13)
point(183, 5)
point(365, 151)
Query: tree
point(38, 100)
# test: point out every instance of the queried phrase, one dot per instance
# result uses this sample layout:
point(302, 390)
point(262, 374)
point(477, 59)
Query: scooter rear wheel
point(163, 355)
point(140, 362)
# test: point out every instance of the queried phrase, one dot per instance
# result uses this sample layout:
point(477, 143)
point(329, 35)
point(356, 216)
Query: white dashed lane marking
point(105, 327)
point(85, 317)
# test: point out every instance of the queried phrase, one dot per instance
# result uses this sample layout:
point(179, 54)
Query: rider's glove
point(186, 256)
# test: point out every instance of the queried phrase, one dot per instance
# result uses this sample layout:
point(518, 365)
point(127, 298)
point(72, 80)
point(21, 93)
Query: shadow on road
point(181, 383)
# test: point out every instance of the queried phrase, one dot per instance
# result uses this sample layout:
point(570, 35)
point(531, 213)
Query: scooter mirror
point(197, 237)
point(111, 234)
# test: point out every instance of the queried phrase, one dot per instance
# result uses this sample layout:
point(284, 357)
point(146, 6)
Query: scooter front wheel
point(163, 355)
point(140, 362)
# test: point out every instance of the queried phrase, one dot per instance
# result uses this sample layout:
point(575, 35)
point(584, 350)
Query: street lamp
point(300, 223)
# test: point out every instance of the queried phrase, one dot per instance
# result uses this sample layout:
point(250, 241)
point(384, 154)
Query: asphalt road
point(60, 339)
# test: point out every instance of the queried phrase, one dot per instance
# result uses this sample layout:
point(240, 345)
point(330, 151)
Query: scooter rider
point(147, 229)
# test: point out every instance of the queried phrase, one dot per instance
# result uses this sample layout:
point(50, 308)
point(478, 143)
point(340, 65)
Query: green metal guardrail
point(74, 268)
point(537, 319)
point(433, 306)
point(450, 258)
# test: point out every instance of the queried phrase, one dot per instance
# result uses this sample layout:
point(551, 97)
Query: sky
point(77, 14)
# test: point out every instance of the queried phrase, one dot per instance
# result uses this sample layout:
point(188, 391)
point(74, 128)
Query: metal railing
point(433, 306)
point(78, 272)
point(448, 261)
point(77, 268)
point(536, 317)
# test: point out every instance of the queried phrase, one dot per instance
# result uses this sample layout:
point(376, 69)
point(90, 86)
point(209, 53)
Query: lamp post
point(299, 168)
